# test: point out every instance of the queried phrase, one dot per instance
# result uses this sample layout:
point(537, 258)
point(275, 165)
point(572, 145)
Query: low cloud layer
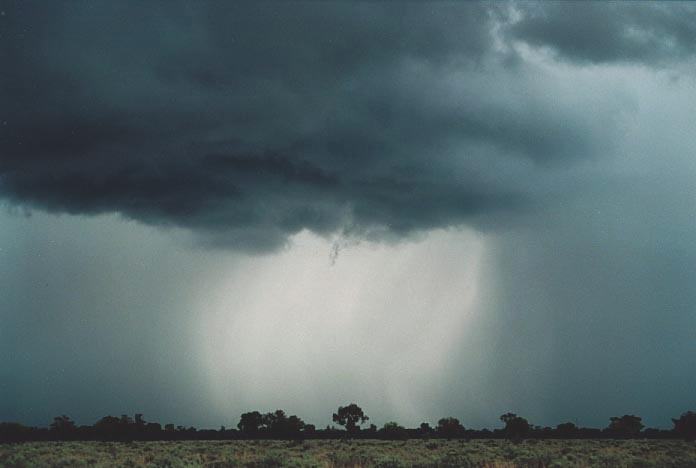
point(248, 123)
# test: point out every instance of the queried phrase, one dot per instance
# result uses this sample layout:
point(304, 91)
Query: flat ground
point(358, 453)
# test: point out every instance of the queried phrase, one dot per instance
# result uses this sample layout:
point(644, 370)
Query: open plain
point(356, 453)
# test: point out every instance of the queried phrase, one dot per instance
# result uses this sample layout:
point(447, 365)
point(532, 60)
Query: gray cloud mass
point(250, 122)
point(535, 158)
point(605, 32)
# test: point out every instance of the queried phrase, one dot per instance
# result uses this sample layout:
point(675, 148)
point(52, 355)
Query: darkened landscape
point(357, 453)
point(221, 222)
point(275, 439)
point(350, 422)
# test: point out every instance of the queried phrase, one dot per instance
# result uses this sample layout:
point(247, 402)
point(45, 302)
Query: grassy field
point(359, 453)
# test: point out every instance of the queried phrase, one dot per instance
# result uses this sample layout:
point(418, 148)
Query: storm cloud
point(248, 123)
point(648, 33)
point(510, 189)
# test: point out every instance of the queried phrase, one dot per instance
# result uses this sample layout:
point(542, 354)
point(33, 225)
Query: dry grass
point(358, 453)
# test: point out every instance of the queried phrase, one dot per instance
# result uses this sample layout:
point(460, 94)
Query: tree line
point(353, 424)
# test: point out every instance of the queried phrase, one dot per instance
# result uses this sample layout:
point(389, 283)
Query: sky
point(431, 209)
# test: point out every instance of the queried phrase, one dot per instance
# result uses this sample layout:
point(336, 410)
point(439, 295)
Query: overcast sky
point(430, 209)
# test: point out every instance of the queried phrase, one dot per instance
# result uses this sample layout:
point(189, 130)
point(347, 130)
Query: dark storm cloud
point(248, 122)
point(598, 32)
point(551, 126)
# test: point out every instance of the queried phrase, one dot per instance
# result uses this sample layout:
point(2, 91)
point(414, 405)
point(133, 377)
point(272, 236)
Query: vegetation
point(449, 428)
point(278, 425)
point(350, 417)
point(685, 426)
point(354, 453)
point(516, 427)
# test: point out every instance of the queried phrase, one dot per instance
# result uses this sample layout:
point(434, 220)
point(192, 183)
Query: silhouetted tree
point(351, 417)
point(279, 425)
point(108, 427)
point(393, 430)
point(567, 429)
point(125, 427)
point(275, 422)
point(425, 429)
point(685, 426)
point(250, 423)
point(626, 425)
point(516, 427)
point(449, 428)
point(63, 426)
point(294, 426)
